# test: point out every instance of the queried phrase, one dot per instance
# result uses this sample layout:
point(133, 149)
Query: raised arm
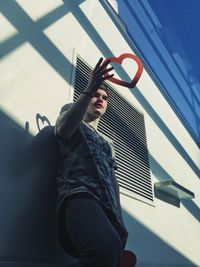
point(68, 122)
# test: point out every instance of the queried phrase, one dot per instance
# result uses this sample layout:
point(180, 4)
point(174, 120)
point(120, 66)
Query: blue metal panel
point(149, 36)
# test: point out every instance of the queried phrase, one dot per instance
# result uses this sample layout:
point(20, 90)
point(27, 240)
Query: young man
point(91, 224)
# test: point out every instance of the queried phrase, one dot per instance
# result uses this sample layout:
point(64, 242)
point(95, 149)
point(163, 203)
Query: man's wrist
point(87, 93)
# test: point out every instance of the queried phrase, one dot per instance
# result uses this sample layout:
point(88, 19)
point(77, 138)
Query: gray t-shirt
point(88, 167)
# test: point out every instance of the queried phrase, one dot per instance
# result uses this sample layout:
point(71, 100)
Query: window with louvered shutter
point(125, 125)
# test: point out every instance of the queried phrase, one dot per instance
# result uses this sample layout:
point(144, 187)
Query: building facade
point(47, 48)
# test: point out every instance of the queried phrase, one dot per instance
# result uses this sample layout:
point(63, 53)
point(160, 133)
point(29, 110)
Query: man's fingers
point(98, 64)
point(98, 68)
point(106, 70)
point(107, 77)
point(104, 65)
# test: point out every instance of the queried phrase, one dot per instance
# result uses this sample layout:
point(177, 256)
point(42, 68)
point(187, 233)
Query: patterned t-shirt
point(88, 167)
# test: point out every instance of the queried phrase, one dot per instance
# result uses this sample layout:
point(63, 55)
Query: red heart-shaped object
point(128, 259)
point(119, 61)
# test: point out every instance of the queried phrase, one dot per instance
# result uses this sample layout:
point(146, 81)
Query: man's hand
point(97, 76)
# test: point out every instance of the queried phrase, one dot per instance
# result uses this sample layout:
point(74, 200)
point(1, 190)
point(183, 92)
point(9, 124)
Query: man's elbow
point(62, 131)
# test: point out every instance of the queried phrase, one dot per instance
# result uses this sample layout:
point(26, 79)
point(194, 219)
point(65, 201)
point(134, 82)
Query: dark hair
point(104, 87)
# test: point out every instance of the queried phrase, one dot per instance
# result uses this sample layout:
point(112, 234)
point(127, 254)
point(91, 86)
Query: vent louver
point(125, 125)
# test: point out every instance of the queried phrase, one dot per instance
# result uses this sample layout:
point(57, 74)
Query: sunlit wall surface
point(40, 41)
point(160, 49)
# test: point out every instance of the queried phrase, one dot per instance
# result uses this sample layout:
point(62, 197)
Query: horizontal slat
point(123, 151)
point(133, 127)
point(127, 136)
point(136, 187)
point(135, 191)
point(115, 125)
point(133, 172)
point(124, 105)
point(115, 106)
point(129, 147)
point(133, 180)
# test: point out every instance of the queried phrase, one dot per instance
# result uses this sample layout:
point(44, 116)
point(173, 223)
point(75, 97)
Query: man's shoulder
point(65, 107)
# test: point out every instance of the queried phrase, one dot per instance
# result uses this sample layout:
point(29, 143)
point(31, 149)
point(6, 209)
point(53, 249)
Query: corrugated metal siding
point(125, 125)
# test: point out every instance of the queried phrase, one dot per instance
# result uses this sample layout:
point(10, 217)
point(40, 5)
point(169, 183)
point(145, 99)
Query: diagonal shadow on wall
point(29, 31)
point(166, 131)
point(164, 70)
point(28, 222)
point(156, 168)
point(13, 42)
point(88, 27)
point(161, 174)
point(57, 60)
point(148, 246)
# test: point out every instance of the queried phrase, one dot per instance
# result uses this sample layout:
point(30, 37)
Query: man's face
point(98, 104)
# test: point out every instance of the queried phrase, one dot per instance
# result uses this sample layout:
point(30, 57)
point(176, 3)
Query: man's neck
point(94, 123)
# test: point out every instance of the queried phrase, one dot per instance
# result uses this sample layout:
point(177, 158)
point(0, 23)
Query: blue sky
point(173, 30)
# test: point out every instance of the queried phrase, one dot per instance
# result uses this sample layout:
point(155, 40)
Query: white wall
point(38, 41)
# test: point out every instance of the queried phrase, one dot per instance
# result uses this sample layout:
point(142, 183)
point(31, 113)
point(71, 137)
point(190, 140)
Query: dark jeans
point(91, 233)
